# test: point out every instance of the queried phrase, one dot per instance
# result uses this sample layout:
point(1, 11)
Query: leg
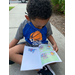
point(14, 53)
point(48, 64)
point(46, 70)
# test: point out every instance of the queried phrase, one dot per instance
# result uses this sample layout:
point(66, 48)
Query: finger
point(56, 49)
point(53, 48)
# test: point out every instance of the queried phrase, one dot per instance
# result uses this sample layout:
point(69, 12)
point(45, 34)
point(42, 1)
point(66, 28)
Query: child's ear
point(26, 16)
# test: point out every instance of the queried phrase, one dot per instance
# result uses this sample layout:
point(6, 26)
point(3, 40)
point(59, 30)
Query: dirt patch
point(58, 20)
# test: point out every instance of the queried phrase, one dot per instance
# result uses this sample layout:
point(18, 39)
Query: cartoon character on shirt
point(36, 37)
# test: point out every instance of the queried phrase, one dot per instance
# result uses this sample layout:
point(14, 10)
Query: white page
point(31, 60)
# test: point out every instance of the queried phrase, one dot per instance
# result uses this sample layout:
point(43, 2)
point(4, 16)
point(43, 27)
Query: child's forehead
point(38, 21)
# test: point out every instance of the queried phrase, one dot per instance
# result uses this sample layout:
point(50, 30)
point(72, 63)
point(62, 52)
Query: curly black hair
point(40, 9)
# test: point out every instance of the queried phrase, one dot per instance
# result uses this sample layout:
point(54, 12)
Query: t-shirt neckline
point(35, 27)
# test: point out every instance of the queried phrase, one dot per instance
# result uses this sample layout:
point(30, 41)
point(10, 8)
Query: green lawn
point(11, 8)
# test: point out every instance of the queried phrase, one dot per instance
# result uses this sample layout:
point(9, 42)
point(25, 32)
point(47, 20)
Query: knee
point(10, 53)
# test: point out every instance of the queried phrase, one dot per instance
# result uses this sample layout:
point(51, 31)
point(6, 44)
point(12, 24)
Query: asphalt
point(16, 16)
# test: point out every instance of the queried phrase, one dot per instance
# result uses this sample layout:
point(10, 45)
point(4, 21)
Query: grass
point(11, 8)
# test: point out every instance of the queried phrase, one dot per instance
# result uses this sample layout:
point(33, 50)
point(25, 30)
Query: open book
point(37, 57)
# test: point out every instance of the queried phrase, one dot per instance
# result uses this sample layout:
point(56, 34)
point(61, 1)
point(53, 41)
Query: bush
point(58, 5)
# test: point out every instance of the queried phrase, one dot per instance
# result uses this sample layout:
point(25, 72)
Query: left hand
point(55, 47)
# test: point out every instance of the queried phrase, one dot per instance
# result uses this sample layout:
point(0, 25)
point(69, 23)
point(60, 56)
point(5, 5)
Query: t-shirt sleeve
point(49, 30)
point(19, 34)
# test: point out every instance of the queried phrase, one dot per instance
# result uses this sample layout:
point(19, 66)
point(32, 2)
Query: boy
point(36, 29)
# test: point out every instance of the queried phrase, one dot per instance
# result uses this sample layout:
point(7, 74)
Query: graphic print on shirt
point(36, 38)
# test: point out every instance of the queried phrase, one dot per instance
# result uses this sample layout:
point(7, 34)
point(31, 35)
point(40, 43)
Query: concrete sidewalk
point(16, 16)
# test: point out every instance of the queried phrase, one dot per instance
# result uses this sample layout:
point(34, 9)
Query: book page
point(48, 55)
point(31, 59)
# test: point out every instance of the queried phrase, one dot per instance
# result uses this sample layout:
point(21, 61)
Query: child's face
point(39, 23)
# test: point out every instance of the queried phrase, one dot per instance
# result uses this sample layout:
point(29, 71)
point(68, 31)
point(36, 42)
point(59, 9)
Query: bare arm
point(51, 39)
point(13, 43)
